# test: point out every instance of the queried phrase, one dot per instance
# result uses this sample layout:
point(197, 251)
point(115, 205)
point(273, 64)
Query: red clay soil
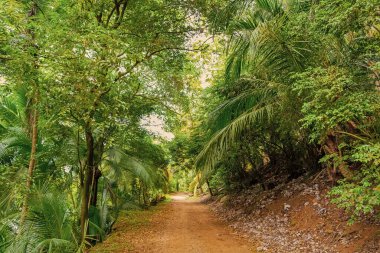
point(297, 217)
point(183, 226)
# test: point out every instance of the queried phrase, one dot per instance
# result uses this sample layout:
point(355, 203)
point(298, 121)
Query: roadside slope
point(296, 217)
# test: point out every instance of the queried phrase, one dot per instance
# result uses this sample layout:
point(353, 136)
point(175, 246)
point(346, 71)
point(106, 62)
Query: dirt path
point(181, 226)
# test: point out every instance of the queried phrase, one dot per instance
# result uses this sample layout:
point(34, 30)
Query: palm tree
point(13, 125)
point(120, 171)
point(261, 54)
point(125, 168)
point(49, 225)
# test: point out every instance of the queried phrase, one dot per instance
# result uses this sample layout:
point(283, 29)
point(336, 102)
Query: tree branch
point(121, 16)
point(158, 101)
point(150, 55)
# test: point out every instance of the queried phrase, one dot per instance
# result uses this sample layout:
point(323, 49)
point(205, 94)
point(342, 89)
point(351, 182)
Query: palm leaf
point(48, 226)
point(261, 91)
point(258, 42)
point(221, 141)
point(127, 167)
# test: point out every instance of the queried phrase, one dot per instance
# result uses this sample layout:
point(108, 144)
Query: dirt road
point(181, 226)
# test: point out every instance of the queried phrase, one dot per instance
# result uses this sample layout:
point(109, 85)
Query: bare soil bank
point(296, 217)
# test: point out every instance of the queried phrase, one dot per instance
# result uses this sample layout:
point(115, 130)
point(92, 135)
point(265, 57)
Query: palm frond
point(124, 166)
point(258, 42)
point(221, 141)
point(12, 108)
point(232, 108)
point(49, 226)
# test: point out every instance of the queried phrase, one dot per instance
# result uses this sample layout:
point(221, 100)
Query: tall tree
point(121, 66)
point(33, 104)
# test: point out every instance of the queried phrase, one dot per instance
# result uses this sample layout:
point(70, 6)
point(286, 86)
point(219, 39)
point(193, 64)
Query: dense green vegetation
point(78, 81)
point(294, 90)
point(299, 93)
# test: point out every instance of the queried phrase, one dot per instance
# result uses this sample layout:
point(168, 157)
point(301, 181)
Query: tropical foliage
point(300, 92)
point(78, 79)
point(255, 92)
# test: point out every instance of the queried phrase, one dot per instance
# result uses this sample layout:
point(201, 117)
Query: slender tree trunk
point(33, 118)
point(195, 191)
point(94, 195)
point(145, 196)
point(99, 148)
point(199, 184)
point(141, 198)
point(32, 164)
point(87, 184)
point(209, 188)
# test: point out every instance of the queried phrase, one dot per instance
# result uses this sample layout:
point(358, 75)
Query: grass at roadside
point(129, 223)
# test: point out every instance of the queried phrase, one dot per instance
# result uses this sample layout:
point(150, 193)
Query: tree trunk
point(32, 164)
point(33, 119)
point(199, 184)
point(209, 188)
point(145, 197)
point(195, 191)
point(94, 195)
point(140, 195)
point(99, 148)
point(87, 184)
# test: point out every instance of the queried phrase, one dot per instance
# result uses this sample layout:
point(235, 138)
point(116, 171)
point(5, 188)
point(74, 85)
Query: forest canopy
point(255, 92)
